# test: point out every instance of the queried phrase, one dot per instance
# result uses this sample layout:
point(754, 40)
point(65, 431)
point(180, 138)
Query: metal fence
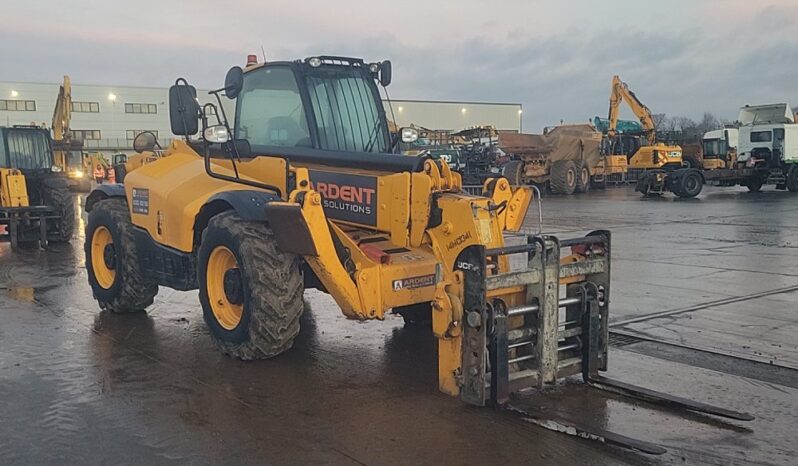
point(116, 144)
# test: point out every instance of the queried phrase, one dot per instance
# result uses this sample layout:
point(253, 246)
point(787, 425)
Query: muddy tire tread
point(558, 178)
point(136, 292)
point(276, 289)
point(62, 199)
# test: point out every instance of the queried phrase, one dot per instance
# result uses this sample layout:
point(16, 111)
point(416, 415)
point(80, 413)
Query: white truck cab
point(769, 133)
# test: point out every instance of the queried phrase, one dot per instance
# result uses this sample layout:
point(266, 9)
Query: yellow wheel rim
point(227, 314)
point(103, 257)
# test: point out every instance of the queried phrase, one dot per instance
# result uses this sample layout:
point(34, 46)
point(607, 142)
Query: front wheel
point(690, 184)
point(58, 196)
point(251, 291)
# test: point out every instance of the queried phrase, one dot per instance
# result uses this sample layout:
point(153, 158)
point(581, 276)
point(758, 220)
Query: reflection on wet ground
point(83, 386)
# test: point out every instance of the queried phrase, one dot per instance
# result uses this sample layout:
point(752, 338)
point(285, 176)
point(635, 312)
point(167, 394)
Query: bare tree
point(660, 121)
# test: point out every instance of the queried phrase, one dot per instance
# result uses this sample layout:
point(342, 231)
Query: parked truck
point(763, 151)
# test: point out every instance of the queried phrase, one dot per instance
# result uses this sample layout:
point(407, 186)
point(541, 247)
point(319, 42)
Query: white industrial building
point(108, 117)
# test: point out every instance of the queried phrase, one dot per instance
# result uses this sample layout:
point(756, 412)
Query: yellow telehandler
point(311, 191)
point(36, 205)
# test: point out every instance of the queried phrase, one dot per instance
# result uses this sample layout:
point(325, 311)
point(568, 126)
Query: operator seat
point(284, 131)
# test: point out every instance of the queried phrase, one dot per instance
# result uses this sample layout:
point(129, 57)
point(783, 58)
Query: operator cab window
point(270, 110)
point(347, 111)
point(28, 149)
point(761, 136)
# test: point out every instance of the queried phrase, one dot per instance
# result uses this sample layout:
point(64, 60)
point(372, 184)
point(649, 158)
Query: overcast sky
point(682, 57)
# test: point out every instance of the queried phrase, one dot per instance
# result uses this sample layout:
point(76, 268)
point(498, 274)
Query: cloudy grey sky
point(682, 57)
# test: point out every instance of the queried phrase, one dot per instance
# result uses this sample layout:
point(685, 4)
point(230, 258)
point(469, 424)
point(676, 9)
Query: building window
point(86, 134)
point(141, 108)
point(18, 105)
point(86, 107)
point(132, 133)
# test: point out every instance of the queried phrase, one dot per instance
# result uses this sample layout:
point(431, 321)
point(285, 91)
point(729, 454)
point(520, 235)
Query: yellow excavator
point(68, 152)
point(310, 190)
point(663, 163)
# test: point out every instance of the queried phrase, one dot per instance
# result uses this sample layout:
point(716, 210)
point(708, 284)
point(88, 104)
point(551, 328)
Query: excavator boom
point(620, 92)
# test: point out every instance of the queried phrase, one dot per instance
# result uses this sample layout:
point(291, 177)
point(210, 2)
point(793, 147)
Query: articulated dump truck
point(566, 159)
point(310, 191)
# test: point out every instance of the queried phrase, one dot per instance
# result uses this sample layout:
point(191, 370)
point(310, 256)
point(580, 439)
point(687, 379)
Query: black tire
point(512, 171)
point(56, 194)
point(131, 290)
point(582, 178)
point(562, 179)
point(643, 185)
point(792, 179)
point(416, 315)
point(755, 184)
point(270, 287)
point(691, 161)
point(690, 184)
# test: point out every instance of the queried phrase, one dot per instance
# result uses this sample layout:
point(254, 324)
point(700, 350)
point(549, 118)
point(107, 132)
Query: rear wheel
point(512, 171)
point(583, 178)
point(792, 179)
point(563, 176)
point(251, 292)
point(754, 184)
point(112, 260)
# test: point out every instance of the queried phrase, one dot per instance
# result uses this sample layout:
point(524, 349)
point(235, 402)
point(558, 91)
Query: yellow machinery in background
point(647, 153)
point(313, 192)
point(13, 190)
point(663, 164)
point(36, 206)
point(67, 151)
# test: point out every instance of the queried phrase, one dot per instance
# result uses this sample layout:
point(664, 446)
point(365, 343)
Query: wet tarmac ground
point(704, 305)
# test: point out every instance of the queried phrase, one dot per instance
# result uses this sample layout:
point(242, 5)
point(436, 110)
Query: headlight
point(55, 169)
point(374, 67)
point(78, 173)
point(315, 62)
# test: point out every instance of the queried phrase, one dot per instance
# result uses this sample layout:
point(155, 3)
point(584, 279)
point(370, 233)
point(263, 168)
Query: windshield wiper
point(372, 136)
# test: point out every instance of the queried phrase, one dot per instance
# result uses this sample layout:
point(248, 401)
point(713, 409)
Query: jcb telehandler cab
point(307, 191)
point(36, 205)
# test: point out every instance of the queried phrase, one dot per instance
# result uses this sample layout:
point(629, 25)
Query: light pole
point(112, 99)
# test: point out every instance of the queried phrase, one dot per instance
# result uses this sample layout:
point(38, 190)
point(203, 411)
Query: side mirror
point(184, 109)
point(385, 73)
point(145, 142)
point(216, 134)
point(233, 82)
point(409, 135)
